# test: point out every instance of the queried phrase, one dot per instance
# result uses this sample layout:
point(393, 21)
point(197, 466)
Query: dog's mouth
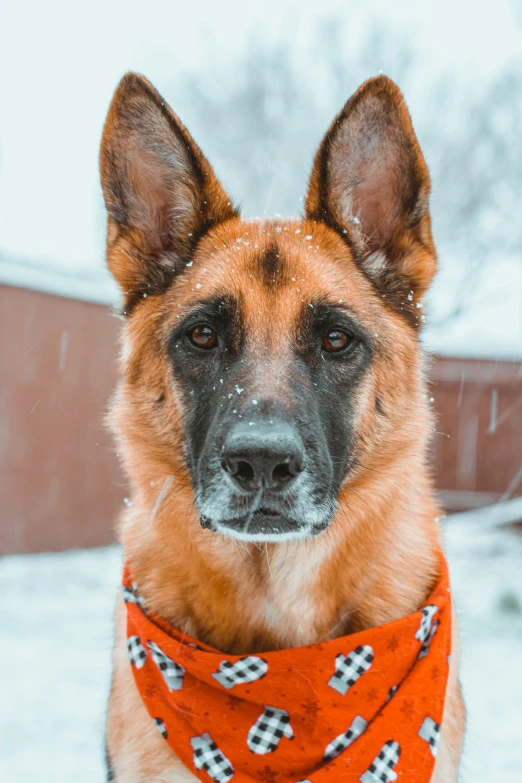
point(263, 524)
point(266, 512)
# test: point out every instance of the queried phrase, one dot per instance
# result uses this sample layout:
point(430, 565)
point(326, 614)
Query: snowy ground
point(55, 639)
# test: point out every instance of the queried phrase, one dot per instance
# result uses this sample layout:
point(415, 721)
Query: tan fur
point(376, 562)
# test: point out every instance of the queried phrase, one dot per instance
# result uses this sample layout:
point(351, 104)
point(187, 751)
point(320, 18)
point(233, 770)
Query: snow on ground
point(486, 570)
point(55, 641)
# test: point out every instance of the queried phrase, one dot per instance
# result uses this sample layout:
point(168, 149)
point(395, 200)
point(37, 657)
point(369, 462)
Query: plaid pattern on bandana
point(344, 740)
point(348, 669)
point(381, 770)
point(172, 672)
point(266, 732)
point(430, 731)
point(207, 756)
point(246, 669)
point(137, 653)
point(160, 727)
point(365, 708)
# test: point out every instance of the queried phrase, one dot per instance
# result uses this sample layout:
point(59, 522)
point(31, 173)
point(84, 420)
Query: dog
point(272, 414)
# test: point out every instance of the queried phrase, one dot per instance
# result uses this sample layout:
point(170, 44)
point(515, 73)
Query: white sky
point(60, 61)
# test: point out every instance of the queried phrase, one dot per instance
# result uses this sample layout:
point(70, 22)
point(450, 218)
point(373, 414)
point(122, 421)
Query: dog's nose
point(266, 454)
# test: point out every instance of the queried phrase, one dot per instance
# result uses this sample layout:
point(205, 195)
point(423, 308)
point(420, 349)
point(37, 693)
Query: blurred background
point(257, 84)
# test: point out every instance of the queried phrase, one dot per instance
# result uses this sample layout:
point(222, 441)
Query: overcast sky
point(59, 63)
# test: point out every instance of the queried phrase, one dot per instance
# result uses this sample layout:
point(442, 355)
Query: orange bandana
point(365, 707)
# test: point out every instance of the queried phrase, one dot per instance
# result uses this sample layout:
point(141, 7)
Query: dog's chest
point(292, 610)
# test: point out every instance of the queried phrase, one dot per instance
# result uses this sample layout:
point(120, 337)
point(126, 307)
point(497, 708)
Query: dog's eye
point(336, 340)
point(203, 336)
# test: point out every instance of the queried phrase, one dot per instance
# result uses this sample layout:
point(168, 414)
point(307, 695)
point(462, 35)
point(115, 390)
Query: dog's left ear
point(371, 184)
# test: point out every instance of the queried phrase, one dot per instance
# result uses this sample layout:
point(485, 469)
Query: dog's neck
point(377, 562)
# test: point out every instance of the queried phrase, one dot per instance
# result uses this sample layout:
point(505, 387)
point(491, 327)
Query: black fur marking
point(378, 407)
point(334, 377)
point(202, 373)
point(272, 267)
point(110, 772)
point(116, 197)
point(157, 277)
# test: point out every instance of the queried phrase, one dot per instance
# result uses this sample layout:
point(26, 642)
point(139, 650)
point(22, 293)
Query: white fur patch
point(374, 264)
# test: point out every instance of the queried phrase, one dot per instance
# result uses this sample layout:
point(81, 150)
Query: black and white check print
point(391, 693)
point(381, 769)
point(160, 727)
point(349, 668)
point(428, 614)
point(207, 756)
point(426, 646)
point(265, 734)
point(344, 740)
point(172, 672)
point(130, 595)
point(246, 669)
point(137, 652)
point(430, 731)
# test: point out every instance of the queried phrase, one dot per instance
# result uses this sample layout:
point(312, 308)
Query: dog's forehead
point(279, 266)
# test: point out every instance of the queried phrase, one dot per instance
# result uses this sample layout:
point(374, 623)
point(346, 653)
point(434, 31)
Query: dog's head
point(274, 361)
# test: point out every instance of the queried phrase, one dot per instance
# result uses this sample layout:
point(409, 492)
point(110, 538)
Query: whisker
point(268, 561)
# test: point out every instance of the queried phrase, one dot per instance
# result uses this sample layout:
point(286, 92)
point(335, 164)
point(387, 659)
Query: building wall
point(60, 483)
point(478, 439)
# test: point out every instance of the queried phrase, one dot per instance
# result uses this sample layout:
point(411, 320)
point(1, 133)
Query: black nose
point(265, 454)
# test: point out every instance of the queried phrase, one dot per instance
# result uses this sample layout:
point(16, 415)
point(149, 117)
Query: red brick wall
point(60, 484)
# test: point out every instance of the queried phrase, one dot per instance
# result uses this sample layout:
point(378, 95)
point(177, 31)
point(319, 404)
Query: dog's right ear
point(160, 191)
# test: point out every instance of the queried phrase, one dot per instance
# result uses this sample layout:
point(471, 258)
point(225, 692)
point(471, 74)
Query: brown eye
point(203, 336)
point(336, 340)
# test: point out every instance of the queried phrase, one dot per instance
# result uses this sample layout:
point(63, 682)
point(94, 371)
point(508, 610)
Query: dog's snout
point(265, 455)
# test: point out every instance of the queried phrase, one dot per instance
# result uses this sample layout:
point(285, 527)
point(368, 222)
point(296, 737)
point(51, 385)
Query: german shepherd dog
point(272, 413)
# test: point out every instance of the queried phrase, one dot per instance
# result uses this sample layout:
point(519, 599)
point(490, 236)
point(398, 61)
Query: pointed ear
point(160, 192)
point(371, 184)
